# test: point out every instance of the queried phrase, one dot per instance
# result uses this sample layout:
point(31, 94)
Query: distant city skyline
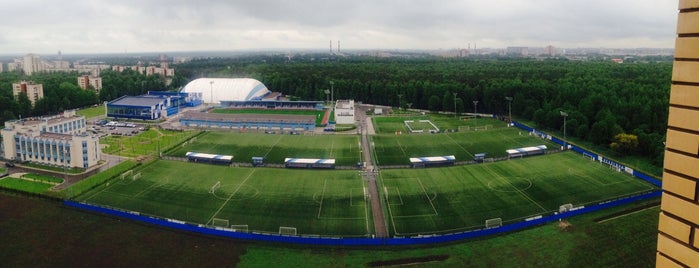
point(129, 26)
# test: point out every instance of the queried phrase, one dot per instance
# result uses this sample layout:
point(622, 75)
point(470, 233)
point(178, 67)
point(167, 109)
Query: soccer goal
point(216, 222)
point(215, 187)
point(589, 156)
point(136, 176)
point(127, 174)
point(464, 128)
point(493, 223)
point(239, 227)
point(284, 230)
point(565, 208)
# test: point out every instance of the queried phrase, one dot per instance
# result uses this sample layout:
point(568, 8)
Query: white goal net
point(493, 223)
point(565, 207)
point(215, 187)
point(136, 176)
point(216, 222)
point(126, 174)
point(239, 227)
point(284, 230)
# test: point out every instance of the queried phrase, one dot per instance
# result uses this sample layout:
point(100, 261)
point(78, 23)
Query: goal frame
point(217, 222)
point(215, 187)
point(240, 227)
point(565, 208)
point(286, 230)
point(493, 223)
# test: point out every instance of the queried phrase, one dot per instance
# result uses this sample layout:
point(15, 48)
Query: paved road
point(371, 172)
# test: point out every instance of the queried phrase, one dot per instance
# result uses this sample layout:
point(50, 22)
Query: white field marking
point(273, 145)
point(231, 196)
point(427, 196)
point(366, 209)
point(462, 148)
point(332, 145)
point(627, 214)
point(401, 147)
point(322, 196)
point(516, 189)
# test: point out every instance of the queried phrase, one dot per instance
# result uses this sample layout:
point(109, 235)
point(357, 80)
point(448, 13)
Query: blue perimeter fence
point(415, 240)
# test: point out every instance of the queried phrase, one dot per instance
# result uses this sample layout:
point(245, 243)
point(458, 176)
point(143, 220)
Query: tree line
point(602, 99)
point(61, 91)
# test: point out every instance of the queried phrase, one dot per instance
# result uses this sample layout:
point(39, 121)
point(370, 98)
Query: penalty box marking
point(424, 191)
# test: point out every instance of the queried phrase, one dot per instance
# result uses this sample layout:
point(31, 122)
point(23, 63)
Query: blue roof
point(137, 101)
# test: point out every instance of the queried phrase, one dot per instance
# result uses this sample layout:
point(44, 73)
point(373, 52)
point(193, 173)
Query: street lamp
point(454, 104)
point(475, 108)
point(400, 96)
point(327, 96)
point(564, 114)
point(211, 98)
point(509, 106)
point(332, 91)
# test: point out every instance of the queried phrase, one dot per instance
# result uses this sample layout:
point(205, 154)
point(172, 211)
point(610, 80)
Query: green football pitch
point(332, 202)
point(438, 200)
point(274, 147)
point(392, 149)
point(314, 202)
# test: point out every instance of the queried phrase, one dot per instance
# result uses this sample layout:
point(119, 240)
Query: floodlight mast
point(509, 106)
point(454, 104)
point(565, 143)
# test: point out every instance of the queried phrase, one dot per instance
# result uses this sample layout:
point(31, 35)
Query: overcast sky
point(97, 26)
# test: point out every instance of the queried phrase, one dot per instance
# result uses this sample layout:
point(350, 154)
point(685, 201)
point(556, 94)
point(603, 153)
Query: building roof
point(215, 90)
point(137, 101)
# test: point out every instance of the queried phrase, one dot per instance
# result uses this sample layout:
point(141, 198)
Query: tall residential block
point(85, 81)
point(678, 230)
point(33, 91)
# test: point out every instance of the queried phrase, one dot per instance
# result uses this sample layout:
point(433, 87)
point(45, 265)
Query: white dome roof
point(226, 89)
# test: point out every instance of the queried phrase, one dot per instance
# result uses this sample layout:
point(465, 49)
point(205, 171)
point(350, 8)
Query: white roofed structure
point(215, 90)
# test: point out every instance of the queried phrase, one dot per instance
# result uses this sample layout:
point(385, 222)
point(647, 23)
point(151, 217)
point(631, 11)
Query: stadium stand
point(432, 161)
point(248, 121)
point(526, 151)
point(209, 158)
point(309, 163)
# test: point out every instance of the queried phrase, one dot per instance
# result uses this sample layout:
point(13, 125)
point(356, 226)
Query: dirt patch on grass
point(627, 211)
point(565, 226)
point(409, 261)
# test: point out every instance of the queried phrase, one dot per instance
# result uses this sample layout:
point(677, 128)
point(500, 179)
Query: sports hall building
point(152, 106)
point(61, 140)
point(678, 230)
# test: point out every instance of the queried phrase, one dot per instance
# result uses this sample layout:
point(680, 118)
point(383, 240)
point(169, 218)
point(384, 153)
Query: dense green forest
point(619, 106)
point(61, 91)
point(602, 99)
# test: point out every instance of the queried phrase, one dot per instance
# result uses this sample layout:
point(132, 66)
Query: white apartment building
point(33, 91)
point(61, 140)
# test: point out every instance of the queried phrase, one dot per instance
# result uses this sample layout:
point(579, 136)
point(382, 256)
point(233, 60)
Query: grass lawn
point(626, 241)
point(24, 185)
point(274, 147)
point(145, 143)
point(313, 201)
point(316, 113)
point(392, 149)
point(434, 200)
point(43, 178)
point(100, 110)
